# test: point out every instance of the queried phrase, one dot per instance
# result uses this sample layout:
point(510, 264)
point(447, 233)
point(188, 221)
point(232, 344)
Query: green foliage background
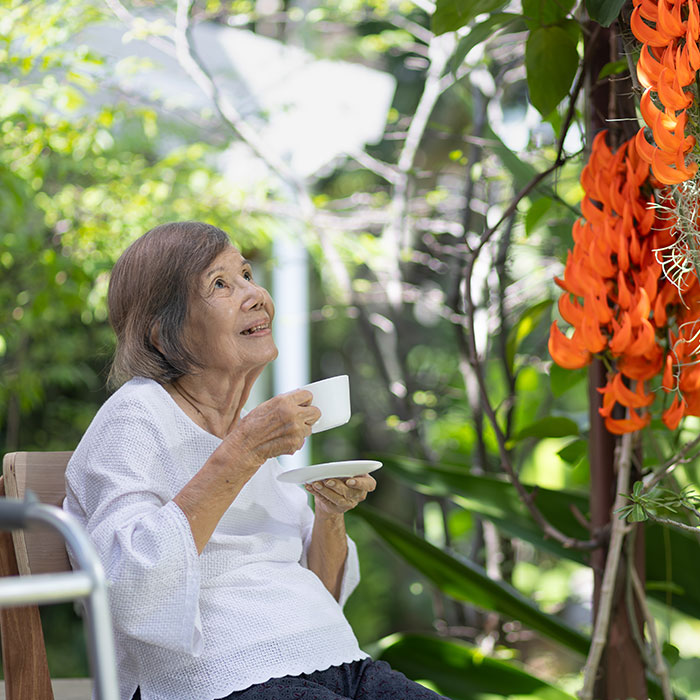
point(460, 588)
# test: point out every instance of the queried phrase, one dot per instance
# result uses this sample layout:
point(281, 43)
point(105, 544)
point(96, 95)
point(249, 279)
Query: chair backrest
point(42, 550)
point(26, 552)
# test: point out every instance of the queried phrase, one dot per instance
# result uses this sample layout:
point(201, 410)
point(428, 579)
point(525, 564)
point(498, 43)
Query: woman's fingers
point(364, 482)
point(343, 494)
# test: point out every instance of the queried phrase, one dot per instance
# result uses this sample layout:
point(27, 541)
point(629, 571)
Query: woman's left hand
point(340, 495)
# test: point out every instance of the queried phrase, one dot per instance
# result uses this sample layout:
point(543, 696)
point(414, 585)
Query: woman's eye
point(248, 275)
point(219, 284)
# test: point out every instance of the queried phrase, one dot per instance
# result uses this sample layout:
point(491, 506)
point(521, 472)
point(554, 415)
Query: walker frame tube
point(89, 583)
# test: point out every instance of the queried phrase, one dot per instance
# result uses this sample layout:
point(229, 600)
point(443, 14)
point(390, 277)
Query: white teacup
point(332, 398)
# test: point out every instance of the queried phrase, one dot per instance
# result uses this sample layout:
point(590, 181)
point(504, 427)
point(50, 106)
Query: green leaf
point(671, 653)
point(551, 61)
point(460, 671)
point(481, 32)
point(551, 426)
point(604, 11)
point(669, 578)
point(613, 68)
point(451, 15)
point(666, 586)
point(535, 213)
point(541, 13)
point(561, 380)
point(465, 581)
point(638, 515)
point(525, 325)
point(497, 500)
point(574, 452)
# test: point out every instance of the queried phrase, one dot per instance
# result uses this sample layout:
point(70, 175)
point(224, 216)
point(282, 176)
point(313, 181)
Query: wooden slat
point(23, 650)
point(39, 550)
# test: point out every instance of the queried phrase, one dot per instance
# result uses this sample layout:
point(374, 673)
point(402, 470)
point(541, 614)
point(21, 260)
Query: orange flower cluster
point(617, 298)
point(669, 32)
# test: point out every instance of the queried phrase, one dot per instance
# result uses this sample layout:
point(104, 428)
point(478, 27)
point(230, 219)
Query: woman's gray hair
point(150, 290)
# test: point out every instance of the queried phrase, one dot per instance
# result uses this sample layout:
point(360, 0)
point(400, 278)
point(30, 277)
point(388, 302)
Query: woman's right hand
point(276, 427)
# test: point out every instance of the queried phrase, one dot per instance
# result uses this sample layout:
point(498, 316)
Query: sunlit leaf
point(460, 671)
point(468, 582)
point(526, 324)
point(483, 31)
point(535, 213)
point(574, 452)
point(451, 15)
point(667, 550)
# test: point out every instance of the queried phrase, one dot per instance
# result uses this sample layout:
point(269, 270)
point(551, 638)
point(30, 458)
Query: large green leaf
point(604, 11)
point(541, 13)
point(668, 551)
point(451, 15)
point(527, 322)
point(550, 426)
point(551, 62)
point(496, 500)
point(484, 30)
point(462, 672)
point(468, 582)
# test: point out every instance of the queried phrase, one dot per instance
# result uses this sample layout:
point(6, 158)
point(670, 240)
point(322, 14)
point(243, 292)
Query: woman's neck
point(213, 403)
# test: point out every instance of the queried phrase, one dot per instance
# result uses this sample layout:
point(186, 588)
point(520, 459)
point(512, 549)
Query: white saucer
point(328, 470)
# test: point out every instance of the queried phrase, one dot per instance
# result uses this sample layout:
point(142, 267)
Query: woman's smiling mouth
point(265, 326)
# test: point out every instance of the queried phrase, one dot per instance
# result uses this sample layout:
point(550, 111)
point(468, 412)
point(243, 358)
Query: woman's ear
point(154, 337)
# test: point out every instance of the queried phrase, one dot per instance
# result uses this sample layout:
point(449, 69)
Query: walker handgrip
point(13, 511)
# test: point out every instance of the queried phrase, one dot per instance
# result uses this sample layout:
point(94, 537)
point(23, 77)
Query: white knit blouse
point(189, 626)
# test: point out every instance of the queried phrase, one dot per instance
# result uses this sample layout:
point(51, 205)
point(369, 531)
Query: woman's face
point(229, 323)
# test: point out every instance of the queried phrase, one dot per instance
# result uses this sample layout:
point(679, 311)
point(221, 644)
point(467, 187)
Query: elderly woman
point(224, 582)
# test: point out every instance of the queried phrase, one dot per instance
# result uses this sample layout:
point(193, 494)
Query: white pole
point(290, 291)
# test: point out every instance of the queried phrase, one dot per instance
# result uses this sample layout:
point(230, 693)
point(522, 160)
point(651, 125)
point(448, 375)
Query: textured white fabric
point(189, 626)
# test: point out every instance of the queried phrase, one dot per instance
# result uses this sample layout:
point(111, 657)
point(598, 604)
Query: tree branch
point(660, 668)
point(670, 465)
point(470, 354)
point(618, 532)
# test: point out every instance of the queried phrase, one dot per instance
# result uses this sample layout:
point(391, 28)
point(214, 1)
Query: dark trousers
point(359, 680)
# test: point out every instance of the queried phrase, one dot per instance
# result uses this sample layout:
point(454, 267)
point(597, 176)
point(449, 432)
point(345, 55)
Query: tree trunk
point(621, 674)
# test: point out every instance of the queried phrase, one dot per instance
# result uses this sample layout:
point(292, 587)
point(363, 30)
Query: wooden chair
point(31, 552)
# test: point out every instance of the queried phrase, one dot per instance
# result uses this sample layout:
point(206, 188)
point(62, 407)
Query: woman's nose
point(255, 297)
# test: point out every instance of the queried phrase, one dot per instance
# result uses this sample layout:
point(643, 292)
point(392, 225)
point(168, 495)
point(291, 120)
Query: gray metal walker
point(89, 583)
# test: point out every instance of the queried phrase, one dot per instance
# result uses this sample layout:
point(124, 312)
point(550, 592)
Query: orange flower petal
point(668, 175)
point(643, 368)
point(593, 340)
point(627, 425)
point(624, 296)
point(648, 68)
point(690, 378)
point(669, 22)
point(670, 93)
point(622, 335)
point(668, 383)
point(571, 311)
point(650, 112)
point(644, 33)
point(567, 352)
point(693, 33)
point(673, 414)
point(644, 342)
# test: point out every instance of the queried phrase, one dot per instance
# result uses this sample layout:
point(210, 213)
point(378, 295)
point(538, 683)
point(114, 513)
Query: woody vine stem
point(618, 532)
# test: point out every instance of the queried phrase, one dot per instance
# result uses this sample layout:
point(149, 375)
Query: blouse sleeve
point(120, 485)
